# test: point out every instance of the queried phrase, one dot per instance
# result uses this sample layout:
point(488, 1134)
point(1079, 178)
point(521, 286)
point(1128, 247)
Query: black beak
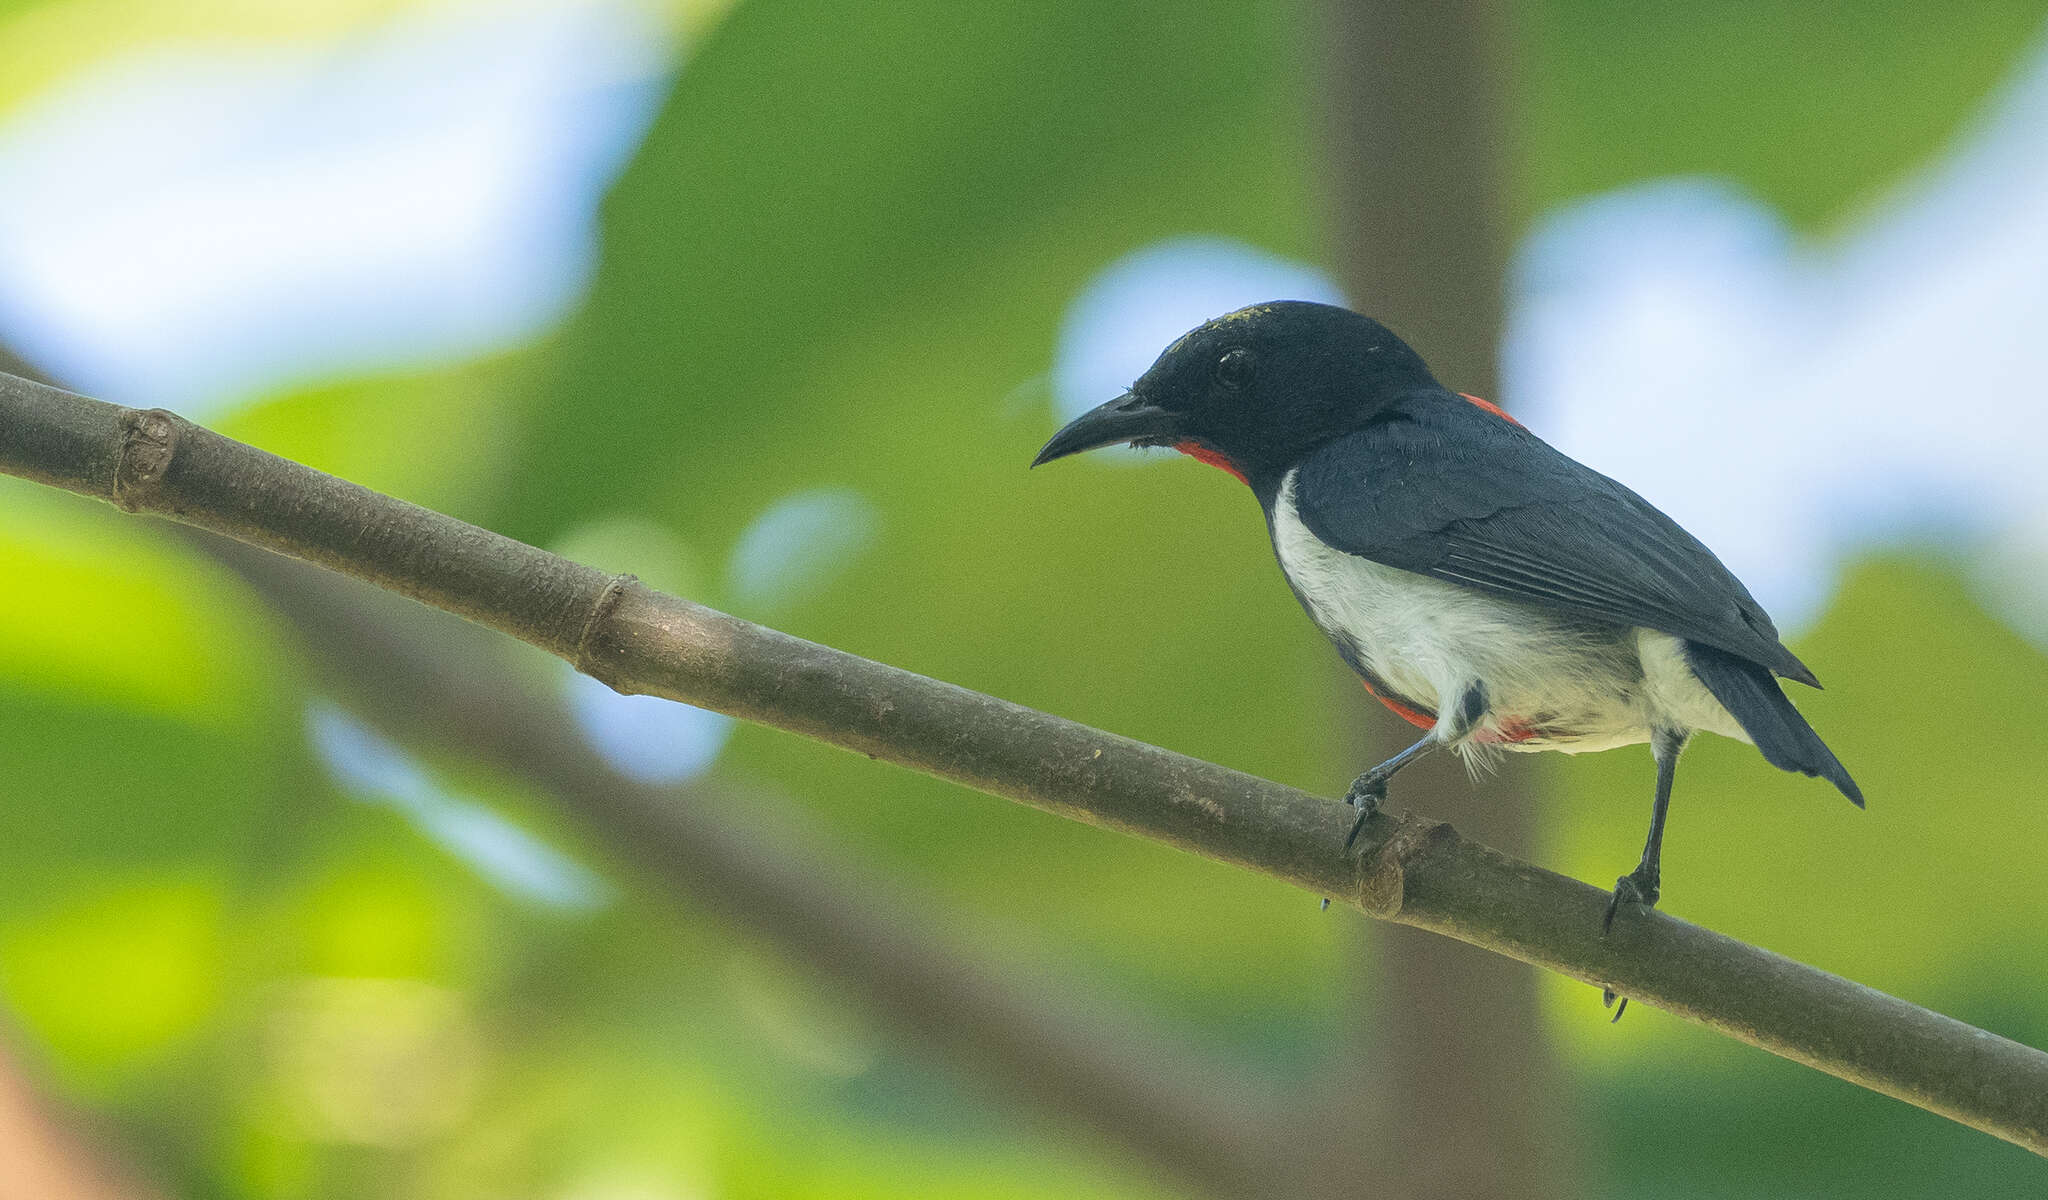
point(1124, 419)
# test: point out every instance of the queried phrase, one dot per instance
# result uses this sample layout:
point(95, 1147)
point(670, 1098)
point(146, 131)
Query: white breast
point(1428, 640)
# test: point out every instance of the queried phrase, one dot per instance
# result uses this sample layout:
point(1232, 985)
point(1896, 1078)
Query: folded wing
point(1448, 490)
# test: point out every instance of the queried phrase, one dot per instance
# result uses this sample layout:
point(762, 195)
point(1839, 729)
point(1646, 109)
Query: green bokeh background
point(841, 260)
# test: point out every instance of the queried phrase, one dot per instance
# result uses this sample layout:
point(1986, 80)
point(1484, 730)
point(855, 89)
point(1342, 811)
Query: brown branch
point(1411, 870)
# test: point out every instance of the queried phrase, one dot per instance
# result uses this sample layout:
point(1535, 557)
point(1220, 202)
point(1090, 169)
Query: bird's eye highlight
point(1234, 369)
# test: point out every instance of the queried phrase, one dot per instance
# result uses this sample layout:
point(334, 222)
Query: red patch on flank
point(1201, 453)
point(1415, 717)
point(1512, 730)
point(1495, 409)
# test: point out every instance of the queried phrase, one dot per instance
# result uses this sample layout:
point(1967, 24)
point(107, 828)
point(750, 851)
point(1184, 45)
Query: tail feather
point(1753, 697)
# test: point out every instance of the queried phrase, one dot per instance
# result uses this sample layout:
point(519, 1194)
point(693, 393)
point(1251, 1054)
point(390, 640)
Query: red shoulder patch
point(1201, 453)
point(1493, 408)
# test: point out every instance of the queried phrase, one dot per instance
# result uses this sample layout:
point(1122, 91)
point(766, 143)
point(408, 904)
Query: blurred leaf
point(1813, 107)
point(449, 415)
point(1739, 1124)
point(627, 543)
point(382, 919)
point(101, 608)
point(41, 41)
point(115, 975)
point(818, 187)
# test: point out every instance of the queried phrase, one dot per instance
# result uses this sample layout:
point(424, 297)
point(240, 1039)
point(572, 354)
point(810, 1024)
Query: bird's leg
point(1368, 790)
point(1640, 886)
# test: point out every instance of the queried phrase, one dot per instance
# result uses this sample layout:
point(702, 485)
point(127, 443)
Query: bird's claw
point(1632, 888)
point(1365, 794)
point(1636, 888)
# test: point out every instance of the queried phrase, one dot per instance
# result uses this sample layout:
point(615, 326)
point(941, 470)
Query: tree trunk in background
point(48, 1152)
point(1449, 1086)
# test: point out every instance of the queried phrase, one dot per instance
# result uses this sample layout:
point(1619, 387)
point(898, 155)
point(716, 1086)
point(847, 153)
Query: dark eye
point(1234, 369)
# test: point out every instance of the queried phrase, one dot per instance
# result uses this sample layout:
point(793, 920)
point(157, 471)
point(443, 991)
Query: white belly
point(1578, 685)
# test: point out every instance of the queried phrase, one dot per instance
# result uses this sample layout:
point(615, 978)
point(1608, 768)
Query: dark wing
point(1446, 489)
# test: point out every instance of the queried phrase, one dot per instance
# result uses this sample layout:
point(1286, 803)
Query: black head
point(1256, 389)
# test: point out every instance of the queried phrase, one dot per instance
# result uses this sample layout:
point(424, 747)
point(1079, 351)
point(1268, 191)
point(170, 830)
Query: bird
point(1493, 592)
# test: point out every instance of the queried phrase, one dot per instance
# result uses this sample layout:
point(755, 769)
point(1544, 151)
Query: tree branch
point(1412, 870)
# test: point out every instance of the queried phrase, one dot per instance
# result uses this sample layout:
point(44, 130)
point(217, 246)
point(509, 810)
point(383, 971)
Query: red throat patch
point(1201, 453)
point(1493, 408)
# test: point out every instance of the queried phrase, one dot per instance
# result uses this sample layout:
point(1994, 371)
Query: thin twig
point(1412, 870)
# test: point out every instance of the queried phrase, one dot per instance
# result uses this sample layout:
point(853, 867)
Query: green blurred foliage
point(841, 260)
point(1817, 107)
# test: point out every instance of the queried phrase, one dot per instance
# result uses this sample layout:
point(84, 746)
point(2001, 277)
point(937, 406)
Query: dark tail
point(1753, 697)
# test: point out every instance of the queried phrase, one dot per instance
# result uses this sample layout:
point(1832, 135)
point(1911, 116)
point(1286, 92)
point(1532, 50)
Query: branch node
point(600, 612)
point(1383, 877)
point(149, 440)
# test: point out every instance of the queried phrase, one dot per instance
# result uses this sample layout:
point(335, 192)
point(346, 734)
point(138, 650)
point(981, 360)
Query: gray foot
point(1366, 794)
point(1639, 888)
